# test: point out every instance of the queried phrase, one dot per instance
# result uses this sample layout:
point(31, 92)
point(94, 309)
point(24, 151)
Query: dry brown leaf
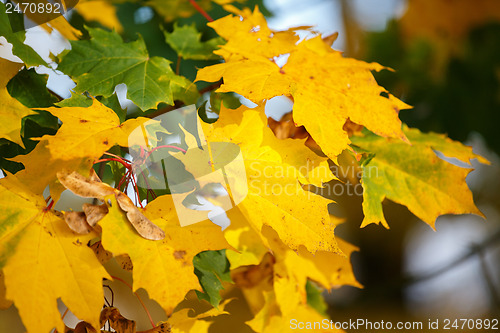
point(83, 186)
point(89, 188)
point(141, 223)
point(94, 213)
point(77, 222)
point(118, 322)
point(81, 327)
point(161, 328)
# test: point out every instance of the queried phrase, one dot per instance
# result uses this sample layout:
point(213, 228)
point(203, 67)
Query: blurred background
point(446, 57)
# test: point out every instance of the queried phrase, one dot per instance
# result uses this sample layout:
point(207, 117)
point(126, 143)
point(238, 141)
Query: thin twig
point(201, 10)
point(211, 87)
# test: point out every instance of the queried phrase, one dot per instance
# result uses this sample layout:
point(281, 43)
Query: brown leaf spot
point(179, 255)
point(105, 142)
point(83, 121)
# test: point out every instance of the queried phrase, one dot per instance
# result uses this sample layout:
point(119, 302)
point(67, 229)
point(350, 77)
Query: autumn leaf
point(59, 264)
point(89, 188)
point(100, 11)
point(270, 320)
point(275, 195)
point(292, 270)
point(98, 65)
point(186, 42)
point(86, 133)
point(414, 176)
point(167, 264)
point(63, 27)
point(182, 322)
point(11, 110)
point(327, 88)
point(38, 178)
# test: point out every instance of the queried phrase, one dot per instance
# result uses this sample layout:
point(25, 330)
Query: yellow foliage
point(46, 261)
point(327, 88)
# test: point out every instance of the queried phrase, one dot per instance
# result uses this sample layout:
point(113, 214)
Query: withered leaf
point(81, 327)
point(77, 222)
point(88, 188)
point(83, 186)
point(118, 322)
point(94, 213)
point(161, 328)
point(141, 223)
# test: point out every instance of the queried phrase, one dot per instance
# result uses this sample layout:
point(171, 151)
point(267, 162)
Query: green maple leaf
point(212, 268)
point(23, 51)
point(99, 64)
point(186, 41)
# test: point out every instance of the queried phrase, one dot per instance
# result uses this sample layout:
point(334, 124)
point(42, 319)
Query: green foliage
point(100, 64)
point(23, 51)
point(211, 268)
point(186, 41)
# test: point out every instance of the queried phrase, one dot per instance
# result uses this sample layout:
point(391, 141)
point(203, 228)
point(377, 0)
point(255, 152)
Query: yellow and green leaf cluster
point(281, 235)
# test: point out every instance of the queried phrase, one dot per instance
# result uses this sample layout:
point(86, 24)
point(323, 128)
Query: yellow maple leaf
point(100, 11)
point(43, 260)
point(38, 178)
point(275, 195)
point(249, 246)
point(11, 110)
point(327, 88)
point(293, 269)
point(86, 133)
point(183, 323)
point(270, 320)
point(63, 27)
point(164, 268)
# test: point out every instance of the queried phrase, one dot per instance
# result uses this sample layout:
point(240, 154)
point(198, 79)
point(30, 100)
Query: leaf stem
point(138, 297)
point(165, 146)
point(125, 164)
point(211, 87)
point(201, 10)
point(119, 157)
